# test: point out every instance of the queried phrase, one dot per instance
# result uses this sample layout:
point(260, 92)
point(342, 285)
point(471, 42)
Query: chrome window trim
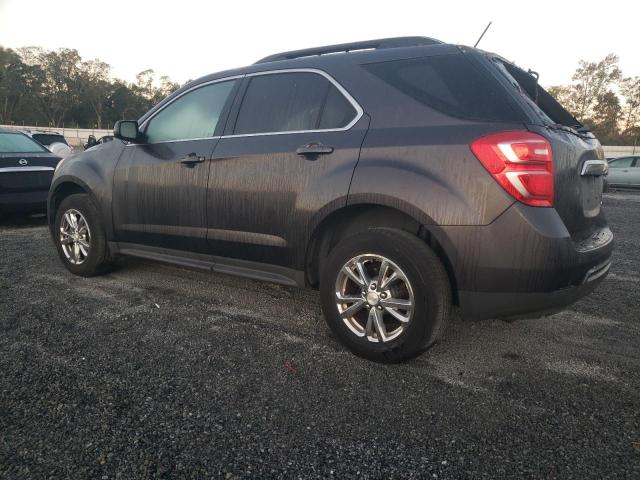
point(333, 81)
point(26, 169)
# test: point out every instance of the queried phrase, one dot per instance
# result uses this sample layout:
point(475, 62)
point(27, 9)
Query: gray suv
point(399, 176)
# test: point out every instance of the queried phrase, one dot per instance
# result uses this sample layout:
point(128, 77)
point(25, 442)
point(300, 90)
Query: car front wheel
point(80, 237)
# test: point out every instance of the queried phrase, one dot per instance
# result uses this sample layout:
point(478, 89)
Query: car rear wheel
point(80, 237)
point(385, 294)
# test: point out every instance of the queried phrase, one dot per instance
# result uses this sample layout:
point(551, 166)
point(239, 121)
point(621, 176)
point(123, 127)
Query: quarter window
point(450, 84)
point(288, 102)
point(194, 115)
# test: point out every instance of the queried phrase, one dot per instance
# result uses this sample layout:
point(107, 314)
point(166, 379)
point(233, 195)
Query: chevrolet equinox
point(399, 176)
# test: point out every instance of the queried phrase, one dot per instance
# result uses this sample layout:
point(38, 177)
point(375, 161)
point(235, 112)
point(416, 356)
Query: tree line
point(603, 99)
point(59, 88)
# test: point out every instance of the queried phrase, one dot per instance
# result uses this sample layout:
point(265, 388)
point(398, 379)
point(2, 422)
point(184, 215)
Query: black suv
point(400, 176)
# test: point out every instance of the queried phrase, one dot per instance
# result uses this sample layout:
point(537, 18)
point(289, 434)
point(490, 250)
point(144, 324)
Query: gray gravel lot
point(159, 372)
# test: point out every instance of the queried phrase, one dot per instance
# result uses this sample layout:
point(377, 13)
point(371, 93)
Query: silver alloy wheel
point(75, 237)
point(374, 298)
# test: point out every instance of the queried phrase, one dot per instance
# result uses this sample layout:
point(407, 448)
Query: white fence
point(78, 136)
point(620, 151)
point(75, 136)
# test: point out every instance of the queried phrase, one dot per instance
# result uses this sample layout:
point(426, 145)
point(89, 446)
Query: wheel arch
point(63, 188)
point(354, 218)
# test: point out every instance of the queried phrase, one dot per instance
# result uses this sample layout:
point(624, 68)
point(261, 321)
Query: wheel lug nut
point(379, 307)
point(383, 295)
point(372, 286)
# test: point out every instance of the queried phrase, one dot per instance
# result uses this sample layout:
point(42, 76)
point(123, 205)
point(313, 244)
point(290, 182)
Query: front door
point(160, 186)
point(288, 152)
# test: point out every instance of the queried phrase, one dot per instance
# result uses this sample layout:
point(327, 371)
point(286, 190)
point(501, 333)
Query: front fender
point(92, 171)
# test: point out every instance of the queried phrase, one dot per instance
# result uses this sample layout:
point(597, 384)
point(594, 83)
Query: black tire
point(426, 275)
point(98, 259)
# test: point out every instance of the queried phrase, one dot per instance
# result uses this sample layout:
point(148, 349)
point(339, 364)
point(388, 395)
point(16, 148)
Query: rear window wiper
point(581, 128)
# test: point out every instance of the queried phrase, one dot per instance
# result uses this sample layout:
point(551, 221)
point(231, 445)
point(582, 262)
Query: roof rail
point(348, 47)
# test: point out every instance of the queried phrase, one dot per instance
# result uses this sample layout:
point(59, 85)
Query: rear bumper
point(525, 263)
point(481, 305)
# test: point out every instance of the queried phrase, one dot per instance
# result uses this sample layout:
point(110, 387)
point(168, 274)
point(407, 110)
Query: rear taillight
point(522, 164)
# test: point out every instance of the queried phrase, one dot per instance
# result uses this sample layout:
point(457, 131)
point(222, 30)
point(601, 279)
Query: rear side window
point(450, 84)
point(288, 102)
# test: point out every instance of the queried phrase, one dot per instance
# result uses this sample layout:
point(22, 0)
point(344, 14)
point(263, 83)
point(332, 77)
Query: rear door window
point(290, 102)
point(450, 84)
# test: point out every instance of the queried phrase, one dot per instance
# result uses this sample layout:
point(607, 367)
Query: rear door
point(289, 151)
point(160, 186)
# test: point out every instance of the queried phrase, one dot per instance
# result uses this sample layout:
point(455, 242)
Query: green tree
point(95, 87)
point(59, 88)
point(630, 90)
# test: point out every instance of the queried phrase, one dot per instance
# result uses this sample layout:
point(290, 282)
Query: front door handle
point(314, 148)
point(191, 159)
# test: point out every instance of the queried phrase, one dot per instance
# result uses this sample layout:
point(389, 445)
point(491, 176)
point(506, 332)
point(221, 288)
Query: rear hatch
point(578, 158)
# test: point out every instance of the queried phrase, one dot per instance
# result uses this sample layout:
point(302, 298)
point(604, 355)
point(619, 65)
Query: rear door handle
point(191, 159)
point(314, 148)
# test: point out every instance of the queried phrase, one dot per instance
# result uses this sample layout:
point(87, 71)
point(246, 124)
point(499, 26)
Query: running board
point(232, 266)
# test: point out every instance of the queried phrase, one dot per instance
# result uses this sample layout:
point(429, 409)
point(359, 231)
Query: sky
point(188, 38)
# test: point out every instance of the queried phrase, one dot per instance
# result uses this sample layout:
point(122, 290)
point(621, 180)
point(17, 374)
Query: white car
point(52, 141)
point(624, 172)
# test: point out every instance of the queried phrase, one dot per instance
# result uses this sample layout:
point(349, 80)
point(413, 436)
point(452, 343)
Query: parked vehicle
point(398, 176)
point(26, 170)
point(624, 172)
point(53, 141)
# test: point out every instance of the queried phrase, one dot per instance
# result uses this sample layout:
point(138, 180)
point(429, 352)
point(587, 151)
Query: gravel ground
point(161, 372)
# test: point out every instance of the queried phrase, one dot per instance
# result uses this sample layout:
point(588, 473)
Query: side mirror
point(126, 130)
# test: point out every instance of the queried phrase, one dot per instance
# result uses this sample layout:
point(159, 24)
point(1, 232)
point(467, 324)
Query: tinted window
point(448, 83)
point(48, 139)
point(18, 143)
point(621, 162)
point(292, 101)
point(194, 115)
point(337, 111)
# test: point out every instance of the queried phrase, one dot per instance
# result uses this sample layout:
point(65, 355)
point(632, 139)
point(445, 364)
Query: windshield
point(19, 143)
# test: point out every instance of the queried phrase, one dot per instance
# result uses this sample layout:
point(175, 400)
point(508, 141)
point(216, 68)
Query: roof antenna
point(483, 32)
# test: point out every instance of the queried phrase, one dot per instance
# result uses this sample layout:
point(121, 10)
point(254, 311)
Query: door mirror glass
point(126, 130)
